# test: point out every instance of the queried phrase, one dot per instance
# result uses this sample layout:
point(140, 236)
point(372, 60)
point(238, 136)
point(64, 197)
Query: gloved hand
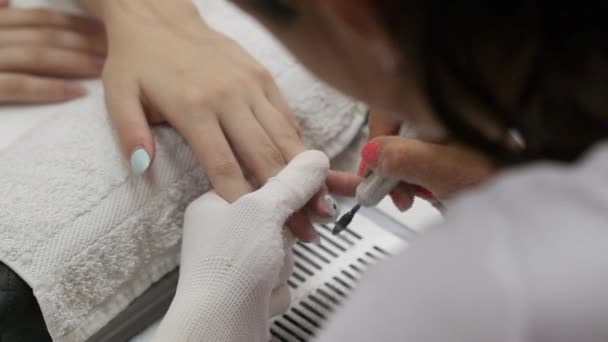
point(236, 258)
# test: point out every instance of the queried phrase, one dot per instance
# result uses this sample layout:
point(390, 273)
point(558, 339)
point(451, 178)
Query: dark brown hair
point(550, 58)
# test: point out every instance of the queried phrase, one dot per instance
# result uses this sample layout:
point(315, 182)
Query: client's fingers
point(49, 61)
point(277, 118)
point(301, 227)
point(130, 123)
point(19, 88)
point(276, 98)
point(323, 207)
point(212, 149)
point(54, 37)
point(293, 187)
point(342, 183)
point(10, 17)
point(251, 142)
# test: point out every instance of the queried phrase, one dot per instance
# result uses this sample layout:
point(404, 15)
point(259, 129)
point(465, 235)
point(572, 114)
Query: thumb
point(129, 121)
point(445, 170)
point(4, 3)
point(296, 184)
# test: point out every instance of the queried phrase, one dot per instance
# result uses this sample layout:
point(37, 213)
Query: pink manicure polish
point(370, 153)
point(424, 193)
point(362, 167)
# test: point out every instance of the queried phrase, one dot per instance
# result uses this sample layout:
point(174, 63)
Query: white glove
point(236, 258)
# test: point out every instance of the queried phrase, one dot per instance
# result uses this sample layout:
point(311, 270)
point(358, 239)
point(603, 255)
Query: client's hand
point(236, 258)
point(41, 49)
point(167, 66)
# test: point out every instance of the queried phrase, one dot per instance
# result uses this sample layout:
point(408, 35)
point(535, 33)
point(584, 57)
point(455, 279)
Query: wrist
point(223, 277)
point(201, 312)
point(153, 12)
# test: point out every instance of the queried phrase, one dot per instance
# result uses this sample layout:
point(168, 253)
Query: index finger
point(210, 146)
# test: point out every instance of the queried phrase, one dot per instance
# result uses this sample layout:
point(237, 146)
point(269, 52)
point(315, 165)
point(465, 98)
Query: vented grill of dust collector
point(325, 275)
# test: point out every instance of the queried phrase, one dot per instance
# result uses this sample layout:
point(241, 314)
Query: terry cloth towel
point(86, 234)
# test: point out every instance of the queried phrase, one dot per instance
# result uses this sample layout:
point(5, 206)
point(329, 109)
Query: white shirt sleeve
point(525, 260)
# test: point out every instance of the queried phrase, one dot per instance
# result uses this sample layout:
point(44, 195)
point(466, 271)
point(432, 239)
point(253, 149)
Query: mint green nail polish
point(140, 161)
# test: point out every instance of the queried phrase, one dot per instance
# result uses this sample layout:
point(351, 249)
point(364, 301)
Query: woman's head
point(481, 69)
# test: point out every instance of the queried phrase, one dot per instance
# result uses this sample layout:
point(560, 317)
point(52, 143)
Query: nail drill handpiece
point(372, 190)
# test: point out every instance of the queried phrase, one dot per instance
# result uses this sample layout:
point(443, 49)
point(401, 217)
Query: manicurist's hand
point(166, 65)
point(42, 52)
point(435, 172)
point(439, 172)
point(236, 258)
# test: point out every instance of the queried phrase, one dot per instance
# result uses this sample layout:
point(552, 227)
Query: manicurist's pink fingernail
point(424, 193)
point(362, 168)
point(370, 153)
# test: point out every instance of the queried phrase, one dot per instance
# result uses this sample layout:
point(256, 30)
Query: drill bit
point(345, 220)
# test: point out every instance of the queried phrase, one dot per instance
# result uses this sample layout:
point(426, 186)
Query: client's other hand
point(42, 50)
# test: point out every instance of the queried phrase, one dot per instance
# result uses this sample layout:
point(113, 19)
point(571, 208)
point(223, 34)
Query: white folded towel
point(90, 237)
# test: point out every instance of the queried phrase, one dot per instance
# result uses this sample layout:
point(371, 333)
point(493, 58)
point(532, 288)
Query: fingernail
point(100, 63)
point(330, 206)
point(74, 89)
point(140, 161)
point(424, 193)
point(400, 201)
point(370, 153)
point(362, 167)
